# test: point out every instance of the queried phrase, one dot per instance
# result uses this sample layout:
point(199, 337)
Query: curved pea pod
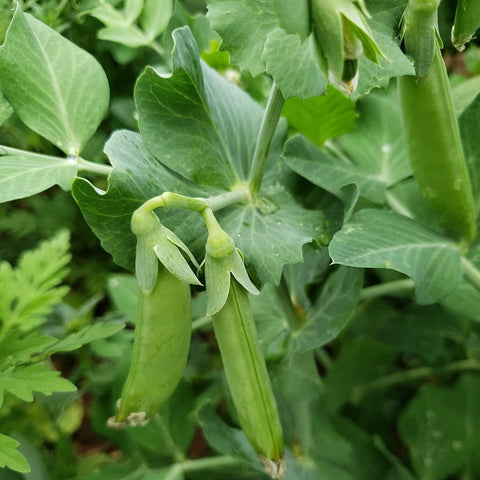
point(160, 350)
point(248, 379)
point(467, 22)
point(435, 148)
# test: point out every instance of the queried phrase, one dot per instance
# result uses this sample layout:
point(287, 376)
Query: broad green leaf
point(225, 439)
point(133, 9)
point(381, 239)
point(294, 16)
point(56, 88)
point(24, 381)
point(469, 123)
point(360, 361)
point(281, 49)
point(23, 176)
point(5, 109)
point(331, 312)
point(384, 21)
point(465, 93)
point(86, 335)
point(321, 118)
point(376, 154)
point(432, 426)
point(10, 456)
point(123, 290)
point(464, 301)
point(155, 17)
point(251, 33)
point(187, 122)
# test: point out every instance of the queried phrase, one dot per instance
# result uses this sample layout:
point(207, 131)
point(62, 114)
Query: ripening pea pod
point(467, 22)
point(430, 124)
point(163, 328)
point(228, 285)
point(160, 350)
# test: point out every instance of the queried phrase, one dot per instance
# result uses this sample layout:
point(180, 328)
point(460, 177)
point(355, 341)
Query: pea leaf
point(440, 428)
point(155, 17)
point(5, 109)
point(10, 457)
point(323, 117)
point(380, 239)
point(22, 176)
point(56, 88)
point(197, 122)
point(333, 309)
point(214, 151)
point(376, 154)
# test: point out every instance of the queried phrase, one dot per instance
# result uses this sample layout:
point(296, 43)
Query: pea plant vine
point(299, 178)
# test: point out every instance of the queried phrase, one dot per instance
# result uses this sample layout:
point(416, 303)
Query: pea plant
point(301, 179)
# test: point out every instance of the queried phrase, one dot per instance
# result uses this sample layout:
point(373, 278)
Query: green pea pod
point(435, 148)
point(467, 22)
point(160, 350)
point(248, 378)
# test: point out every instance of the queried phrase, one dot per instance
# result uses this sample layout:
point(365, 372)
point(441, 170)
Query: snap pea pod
point(433, 139)
point(160, 350)
point(467, 22)
point(248, 378)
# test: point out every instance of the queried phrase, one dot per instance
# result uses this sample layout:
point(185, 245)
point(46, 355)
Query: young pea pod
point(433, 136)
point(467, 22)
point(160, 350)
point(248, 378)
point(228, 285)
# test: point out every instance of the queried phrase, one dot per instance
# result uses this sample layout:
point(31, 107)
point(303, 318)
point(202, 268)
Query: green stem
point(264, 139)
point(201, 322)
point(83, 165)
point(100, 168)
point(471, 273)
point(324, 358)
point(397, 287)
point(283, 296)
point(209, 463)
point(157, 47)
point(408, 375)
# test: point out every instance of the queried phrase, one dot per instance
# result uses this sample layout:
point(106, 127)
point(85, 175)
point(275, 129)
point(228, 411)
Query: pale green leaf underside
point(21, 177)
point(10, 457)
point(56, 88)
point(380, 239)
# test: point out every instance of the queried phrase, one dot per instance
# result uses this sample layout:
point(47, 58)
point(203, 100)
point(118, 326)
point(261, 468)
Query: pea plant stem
point(83, 165)
point(409, 375)
point(471, 273)
point(397, 287)
point(264, 139)
point(208, 463)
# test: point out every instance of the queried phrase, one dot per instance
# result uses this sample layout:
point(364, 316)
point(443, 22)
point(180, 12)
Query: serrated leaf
point(24, 381)
point(22, 176)
point(10, 456)
point(331, 312)
point(86, 335)
point(376, 154)
point(30, 291)
point(380, 239)
point(56, 88)
point(323, 117)
point(17, 347)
